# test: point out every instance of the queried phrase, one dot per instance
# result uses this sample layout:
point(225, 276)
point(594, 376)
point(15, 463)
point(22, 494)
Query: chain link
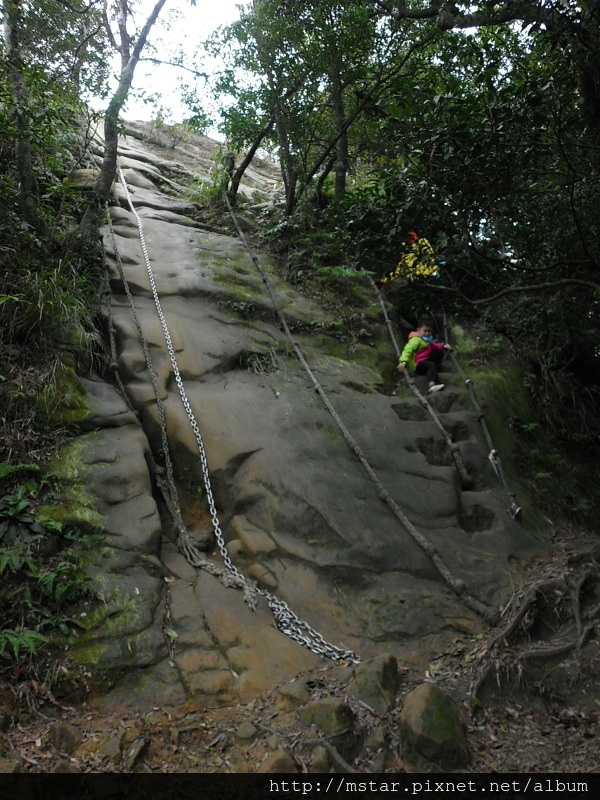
point(165, 477)
point(285, 619)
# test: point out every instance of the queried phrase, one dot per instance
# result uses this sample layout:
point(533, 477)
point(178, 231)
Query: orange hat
point(411, 236)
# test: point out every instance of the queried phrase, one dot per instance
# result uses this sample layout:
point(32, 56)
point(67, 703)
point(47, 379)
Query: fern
point(20, 639)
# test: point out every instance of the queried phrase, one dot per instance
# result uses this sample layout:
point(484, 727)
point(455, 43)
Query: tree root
point(547, 633)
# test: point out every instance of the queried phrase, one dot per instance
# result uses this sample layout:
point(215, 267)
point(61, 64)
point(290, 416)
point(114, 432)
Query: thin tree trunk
point(370, 95)
point(239, 173)
point(111, 118)
point(129, 61)
point(322, 178)
point(341, 162)
point(288, 169)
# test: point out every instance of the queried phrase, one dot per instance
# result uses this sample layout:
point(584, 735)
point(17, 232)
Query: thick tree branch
point(448, 16)
point(534, 287)
point(77, 61)
point(504, 262)
point(109, 33)
point(124, 40)
point(239, 173)
point(104, 183)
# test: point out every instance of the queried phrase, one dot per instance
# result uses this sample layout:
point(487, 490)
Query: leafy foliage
point(314, 71)
point(40, 573)
point(20, 640)
point(478, 142)
point(17, 523)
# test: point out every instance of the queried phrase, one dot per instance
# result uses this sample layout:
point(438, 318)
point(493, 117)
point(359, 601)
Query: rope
point(386, 317)
point(285, 619)
point(456, 585)
point(466, 480)
point(493, 457)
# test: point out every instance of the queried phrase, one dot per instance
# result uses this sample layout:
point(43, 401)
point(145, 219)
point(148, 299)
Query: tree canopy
point(54, 56)
point(477, 124)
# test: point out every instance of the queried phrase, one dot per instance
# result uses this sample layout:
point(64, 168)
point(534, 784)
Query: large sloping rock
point(299, 514)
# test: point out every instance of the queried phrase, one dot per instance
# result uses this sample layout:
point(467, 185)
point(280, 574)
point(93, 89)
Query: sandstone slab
point(296, 509)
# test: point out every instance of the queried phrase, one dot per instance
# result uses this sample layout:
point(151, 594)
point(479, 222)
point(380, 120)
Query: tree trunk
point(92, 219)
point(341, 162)
point(288, 169)
point(321, 182)
point(588, 57)
point(328, 149)
point(239, 173)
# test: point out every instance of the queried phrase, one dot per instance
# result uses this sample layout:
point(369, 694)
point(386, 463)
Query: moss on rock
point(76, 507)
point(337, 722)
point(63, 400)
point(377, 683)
point(88, 655)
point(500, 386)
point(431, 729)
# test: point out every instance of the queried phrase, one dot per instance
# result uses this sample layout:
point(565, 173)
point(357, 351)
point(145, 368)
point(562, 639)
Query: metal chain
point(456, 585)
point(165, 477)
point(168, 492)
point(285, 619)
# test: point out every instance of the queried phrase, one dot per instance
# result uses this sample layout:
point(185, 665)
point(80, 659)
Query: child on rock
point(423, 356)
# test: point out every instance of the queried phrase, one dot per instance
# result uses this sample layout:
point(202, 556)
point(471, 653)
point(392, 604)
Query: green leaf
point(20, 639)
point(49, 524)
point(7, 468)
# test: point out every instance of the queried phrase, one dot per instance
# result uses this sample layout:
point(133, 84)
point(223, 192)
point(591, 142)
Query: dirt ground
point(529, 694)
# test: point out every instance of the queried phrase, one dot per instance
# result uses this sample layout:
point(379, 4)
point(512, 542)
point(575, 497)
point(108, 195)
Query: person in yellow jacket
point(418, 262)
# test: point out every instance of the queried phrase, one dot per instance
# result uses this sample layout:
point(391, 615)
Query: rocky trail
point(181, 673)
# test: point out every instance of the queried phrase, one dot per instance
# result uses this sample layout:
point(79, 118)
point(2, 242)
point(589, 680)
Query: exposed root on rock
point(551, 623)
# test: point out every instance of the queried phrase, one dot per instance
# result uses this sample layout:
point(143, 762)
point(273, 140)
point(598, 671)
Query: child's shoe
point(436, 388)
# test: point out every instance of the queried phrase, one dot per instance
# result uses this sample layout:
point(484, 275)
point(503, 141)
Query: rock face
point(298, 513)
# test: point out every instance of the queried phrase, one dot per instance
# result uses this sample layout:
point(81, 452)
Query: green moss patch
point(501, 388)
point(76, 507)
point(63, 399)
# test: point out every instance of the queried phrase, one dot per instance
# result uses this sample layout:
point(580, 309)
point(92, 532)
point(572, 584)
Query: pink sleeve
point(438, 345)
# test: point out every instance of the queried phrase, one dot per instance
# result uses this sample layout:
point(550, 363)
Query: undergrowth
point(42, 583)
point(49, 300)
